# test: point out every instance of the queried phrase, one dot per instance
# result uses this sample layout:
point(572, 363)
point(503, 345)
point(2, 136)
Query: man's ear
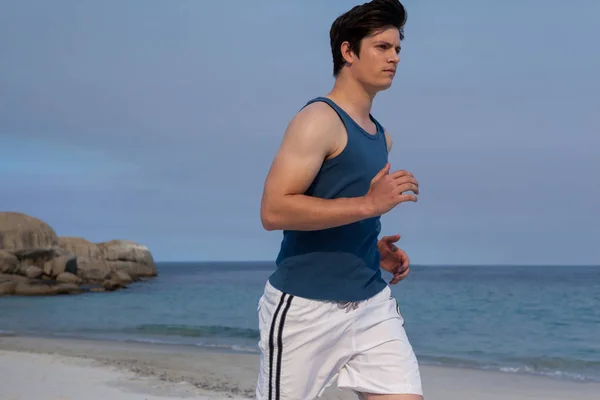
point(348, 53)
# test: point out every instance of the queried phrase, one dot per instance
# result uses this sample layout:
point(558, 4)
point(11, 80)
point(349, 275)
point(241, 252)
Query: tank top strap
point(348, 123)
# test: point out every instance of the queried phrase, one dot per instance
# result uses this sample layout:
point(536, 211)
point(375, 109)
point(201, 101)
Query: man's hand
point(387, 189)
point(393, 259)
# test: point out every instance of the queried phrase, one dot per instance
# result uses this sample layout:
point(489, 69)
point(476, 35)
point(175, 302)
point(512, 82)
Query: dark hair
point(361, 21)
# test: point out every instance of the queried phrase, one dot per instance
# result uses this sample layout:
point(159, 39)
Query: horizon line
point(412, 264)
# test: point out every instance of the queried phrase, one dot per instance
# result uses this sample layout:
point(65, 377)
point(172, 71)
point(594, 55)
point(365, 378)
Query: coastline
point(129, 370)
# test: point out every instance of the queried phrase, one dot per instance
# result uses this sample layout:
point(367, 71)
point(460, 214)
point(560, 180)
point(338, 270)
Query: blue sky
point(157, 121)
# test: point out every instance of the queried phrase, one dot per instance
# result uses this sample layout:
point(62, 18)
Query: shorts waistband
point(349, 305)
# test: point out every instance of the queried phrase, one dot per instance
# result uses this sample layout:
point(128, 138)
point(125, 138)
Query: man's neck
point(352, 96)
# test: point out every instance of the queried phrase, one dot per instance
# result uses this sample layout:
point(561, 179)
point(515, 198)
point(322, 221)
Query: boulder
point(20, 231)
point(9, 263)
point(33, 272)
point(35, 289)
point(112, 284)
point(68, 288)
point(67, 277)
point(122, 276)
point(82, 248)
point(13, 278)
point(130, 255)
point(60, 264)
point(95, 270)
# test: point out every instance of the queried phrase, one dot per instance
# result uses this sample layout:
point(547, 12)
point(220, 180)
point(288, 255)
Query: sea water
point(530, 319)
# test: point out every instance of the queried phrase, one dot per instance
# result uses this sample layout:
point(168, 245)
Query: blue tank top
point(341, 263)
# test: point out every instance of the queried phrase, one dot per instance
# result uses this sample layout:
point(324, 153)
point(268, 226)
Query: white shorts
point(305, 344)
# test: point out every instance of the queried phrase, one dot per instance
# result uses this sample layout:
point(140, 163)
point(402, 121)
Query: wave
point(586, 370)
point(228, 347)
point(554, 367)
point(194, 331)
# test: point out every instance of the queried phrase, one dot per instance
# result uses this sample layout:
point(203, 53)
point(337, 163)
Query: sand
point(34, 368)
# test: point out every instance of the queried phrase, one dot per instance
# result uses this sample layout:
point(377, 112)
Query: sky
point(157, 121)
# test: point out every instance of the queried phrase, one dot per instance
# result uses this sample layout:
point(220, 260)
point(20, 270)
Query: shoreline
point(183, 371)
point(424, 361)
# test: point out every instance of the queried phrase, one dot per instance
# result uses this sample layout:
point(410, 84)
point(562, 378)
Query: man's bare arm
point(309, 139)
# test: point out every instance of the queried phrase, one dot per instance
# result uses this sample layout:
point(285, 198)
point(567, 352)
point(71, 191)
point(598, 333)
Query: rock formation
point(35, 261)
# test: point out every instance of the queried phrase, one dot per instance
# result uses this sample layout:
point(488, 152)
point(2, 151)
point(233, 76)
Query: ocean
point(520, 319)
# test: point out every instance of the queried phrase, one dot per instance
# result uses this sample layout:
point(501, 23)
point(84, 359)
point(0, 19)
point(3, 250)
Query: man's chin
point(380, 87)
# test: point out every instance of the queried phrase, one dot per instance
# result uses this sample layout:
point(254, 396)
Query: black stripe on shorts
point(287, 299)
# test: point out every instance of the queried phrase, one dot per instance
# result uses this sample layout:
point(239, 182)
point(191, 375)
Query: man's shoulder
point(319, 111)
point(316, 124)
point(317, 117)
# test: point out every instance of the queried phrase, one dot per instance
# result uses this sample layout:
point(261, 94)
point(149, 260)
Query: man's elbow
point(268, 223)
point(269, 219)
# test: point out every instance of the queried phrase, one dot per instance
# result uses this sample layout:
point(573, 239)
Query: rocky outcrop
point(34, 261)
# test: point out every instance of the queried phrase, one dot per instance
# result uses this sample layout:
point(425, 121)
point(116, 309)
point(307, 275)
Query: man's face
point(379, 57)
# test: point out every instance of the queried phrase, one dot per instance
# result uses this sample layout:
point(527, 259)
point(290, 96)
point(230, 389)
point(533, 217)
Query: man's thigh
point(385, 363)
point(384, 372)
point(303, 345)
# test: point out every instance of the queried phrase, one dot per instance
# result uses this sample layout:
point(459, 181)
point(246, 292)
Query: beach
point(38, 368)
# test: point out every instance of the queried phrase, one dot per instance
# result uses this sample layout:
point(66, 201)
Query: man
point(326, 311)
